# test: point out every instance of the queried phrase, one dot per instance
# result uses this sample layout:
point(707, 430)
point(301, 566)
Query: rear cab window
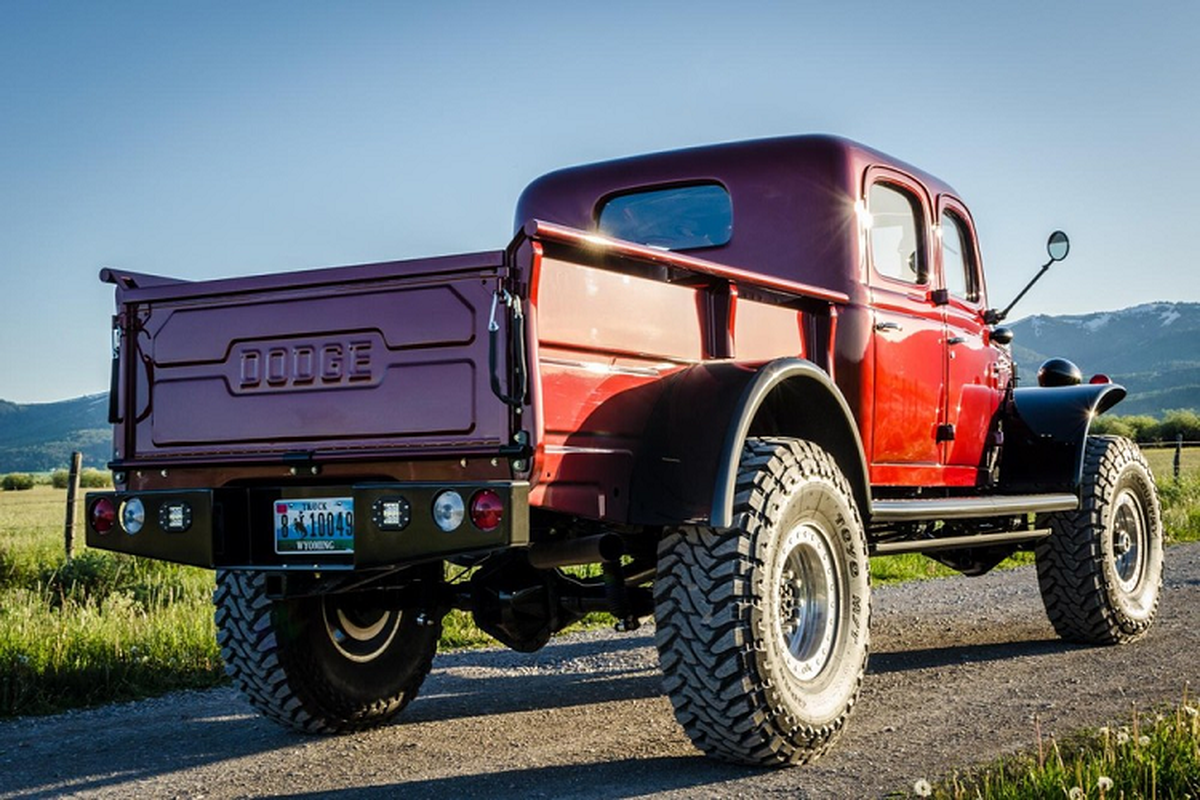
point(670, 218)
point(961, 274)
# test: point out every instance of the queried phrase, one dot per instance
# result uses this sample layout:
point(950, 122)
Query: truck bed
point(382, 358)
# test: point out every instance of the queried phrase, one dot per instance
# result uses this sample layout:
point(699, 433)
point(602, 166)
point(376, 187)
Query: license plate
point(314, 525)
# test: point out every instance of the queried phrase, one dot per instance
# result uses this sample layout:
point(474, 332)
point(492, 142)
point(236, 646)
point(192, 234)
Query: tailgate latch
point(516, 399)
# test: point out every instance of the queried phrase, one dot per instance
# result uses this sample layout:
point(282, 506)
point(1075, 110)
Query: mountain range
point(39, 437)
point(1152, 349)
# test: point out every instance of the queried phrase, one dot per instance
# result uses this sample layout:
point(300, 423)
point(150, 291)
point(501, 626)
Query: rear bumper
point(235, 528)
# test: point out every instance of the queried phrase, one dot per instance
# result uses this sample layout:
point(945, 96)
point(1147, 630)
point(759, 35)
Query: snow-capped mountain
point(1153, 349)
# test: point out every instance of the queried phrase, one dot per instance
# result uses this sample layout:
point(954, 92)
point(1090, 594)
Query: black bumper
point(235, 528)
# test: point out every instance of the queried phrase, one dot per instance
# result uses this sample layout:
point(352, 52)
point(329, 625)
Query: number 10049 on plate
point(314, 525)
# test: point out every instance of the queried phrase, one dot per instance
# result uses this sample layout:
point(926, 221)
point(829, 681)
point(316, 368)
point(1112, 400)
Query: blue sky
point(210, 139)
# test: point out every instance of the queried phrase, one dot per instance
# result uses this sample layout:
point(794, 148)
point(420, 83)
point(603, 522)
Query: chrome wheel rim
point(359, 632)
point(1129, 540)
point(808, 601)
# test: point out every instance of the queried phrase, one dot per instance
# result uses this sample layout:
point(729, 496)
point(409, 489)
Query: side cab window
point(897, 233)
point(961, 274)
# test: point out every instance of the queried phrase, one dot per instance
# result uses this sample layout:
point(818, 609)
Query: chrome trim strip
point(970, 507)
point(561, 449)
point(606, 369)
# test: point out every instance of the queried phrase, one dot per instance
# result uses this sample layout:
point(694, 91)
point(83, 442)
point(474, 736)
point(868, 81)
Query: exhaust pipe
point(576, 552)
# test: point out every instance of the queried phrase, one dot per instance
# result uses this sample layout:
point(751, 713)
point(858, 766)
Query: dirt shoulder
point(960, 669)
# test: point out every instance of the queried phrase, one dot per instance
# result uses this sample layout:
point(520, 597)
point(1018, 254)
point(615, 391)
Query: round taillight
point(103, 515)
point(133, 515)
point(487, 510)
point(448, 510)
point(1100, 377)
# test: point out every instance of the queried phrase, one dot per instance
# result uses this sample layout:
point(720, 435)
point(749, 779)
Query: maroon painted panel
point(389, 358)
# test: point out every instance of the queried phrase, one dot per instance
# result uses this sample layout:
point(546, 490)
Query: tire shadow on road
point(632, 777)
point(882, 663)
point(484, 683)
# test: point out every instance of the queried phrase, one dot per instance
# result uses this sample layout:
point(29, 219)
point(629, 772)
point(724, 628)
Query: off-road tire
point(1100, 570)
point(283, 656)
point(732, 605)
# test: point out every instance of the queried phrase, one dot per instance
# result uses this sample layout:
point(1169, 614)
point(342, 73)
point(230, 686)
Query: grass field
point(1162, 461)
point(1145, 756)
point(105, 627)
point(102, 627)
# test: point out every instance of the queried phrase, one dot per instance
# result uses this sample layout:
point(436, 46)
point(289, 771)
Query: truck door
point(909, 371)
point(971, 377)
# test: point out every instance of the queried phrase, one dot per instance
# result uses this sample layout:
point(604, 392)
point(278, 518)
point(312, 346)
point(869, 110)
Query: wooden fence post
point(1178, 454)
point(72, 493)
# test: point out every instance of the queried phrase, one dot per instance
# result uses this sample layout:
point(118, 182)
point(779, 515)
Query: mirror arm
point(1000, 316)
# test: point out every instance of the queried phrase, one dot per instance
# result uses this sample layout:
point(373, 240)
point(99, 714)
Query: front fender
point(1046, 429)
point(687, 468)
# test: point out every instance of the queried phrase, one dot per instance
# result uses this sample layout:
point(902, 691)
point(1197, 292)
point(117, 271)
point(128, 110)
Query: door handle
point(888, 326)
point(955, 340)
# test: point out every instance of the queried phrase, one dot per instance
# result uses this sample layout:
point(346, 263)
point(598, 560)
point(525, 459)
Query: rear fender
point(1045, 432)
point(687, 468)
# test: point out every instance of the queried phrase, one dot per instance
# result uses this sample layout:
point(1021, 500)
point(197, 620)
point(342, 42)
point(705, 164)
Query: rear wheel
point(1100, 570)
point(763, 628)
point(325, 664)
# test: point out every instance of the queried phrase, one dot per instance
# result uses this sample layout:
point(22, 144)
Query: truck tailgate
point(340, 361)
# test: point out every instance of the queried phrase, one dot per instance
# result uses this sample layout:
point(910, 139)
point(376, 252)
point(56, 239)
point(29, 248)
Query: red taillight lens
point(487, 510)
point(1100, 377)
point(104, 515)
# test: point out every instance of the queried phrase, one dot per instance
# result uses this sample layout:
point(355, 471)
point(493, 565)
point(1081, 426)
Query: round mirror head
point(1059, 372)
point(1058, 246)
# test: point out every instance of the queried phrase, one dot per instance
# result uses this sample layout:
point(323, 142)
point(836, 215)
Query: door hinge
point(945, 433)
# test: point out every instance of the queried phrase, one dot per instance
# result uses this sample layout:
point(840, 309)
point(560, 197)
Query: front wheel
point(762, 629)
point(1100, 570)
point(324, 664)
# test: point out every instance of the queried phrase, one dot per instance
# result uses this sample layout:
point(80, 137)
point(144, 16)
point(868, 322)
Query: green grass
point(99, 628)
point(1162, 461)
point(1155, 755)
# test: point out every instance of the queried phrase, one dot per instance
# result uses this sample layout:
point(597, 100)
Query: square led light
point(175, 516)
point(391, 513)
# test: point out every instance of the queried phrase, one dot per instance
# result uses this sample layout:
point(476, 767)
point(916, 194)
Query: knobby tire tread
point(1075, 589)
point(283, 683)
point(703, 616)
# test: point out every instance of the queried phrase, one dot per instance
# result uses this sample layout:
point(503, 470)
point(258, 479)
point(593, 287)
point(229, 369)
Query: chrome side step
point(970, 507)
point(957, 542)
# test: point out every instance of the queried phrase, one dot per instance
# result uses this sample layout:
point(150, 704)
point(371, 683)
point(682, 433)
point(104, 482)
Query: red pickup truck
point(724, 377)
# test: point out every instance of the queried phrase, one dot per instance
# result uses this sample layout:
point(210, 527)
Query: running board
point(970, 507)
point(957, 542)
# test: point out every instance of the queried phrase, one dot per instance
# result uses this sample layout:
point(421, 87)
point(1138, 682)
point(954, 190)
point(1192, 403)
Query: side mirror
point(1058, 246)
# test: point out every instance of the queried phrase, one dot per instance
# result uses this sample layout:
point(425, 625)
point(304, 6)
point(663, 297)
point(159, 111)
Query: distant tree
point(1145, 428)
point(17, 482)
point(1110, 425)
point(1180, 421)
point(91, 478)
point(60, 478)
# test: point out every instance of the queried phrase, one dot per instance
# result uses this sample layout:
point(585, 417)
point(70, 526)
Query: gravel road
point(959, 671)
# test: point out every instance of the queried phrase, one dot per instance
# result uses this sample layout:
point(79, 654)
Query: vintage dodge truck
point(705, 385)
